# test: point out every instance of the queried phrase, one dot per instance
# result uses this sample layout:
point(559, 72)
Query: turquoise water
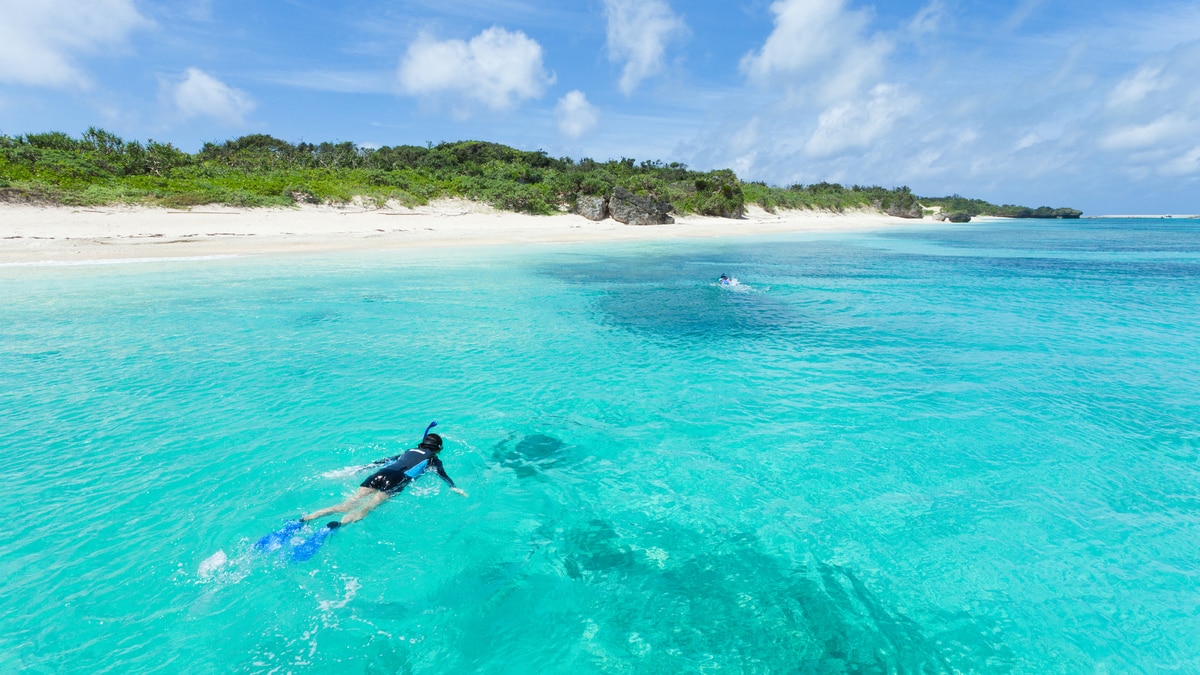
point(932, 449)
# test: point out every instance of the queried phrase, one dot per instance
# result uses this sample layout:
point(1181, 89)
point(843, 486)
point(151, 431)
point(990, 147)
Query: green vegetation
point(259, 170)
point(977, 207)
point(833, 197)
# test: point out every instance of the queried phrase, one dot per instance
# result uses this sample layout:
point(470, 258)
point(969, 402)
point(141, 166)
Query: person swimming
point(726, 280)
point(395, 475)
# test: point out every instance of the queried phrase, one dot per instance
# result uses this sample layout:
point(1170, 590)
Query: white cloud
point(1027, 141)
point(638, 33)
point(743, 146)
point(802, 37)
point(576, 116)
point(747, 137)
point(41, 40)
point(965, 137)
point(1134, 89)
point(202, 95)
point(819, 41)
point(1021, 14)
point(340, 81)
point(928, 20)
point(927, 162)
point(199, 10)
point(858, 124)
point(1184, 165)
point(1140, 136)
point(497, 68)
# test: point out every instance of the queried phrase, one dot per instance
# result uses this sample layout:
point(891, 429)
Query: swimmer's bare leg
point(368, 505)
point(343, 507)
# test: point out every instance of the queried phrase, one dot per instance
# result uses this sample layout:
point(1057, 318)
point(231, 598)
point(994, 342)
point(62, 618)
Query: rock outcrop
point(626, 207)
point(592, 207)
point(303, 197)
point(912, 210)
point(1047, 212)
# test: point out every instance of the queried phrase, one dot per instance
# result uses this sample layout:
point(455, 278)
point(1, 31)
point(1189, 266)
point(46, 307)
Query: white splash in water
point(212, 564)
point(352, 586)
point(345, 472)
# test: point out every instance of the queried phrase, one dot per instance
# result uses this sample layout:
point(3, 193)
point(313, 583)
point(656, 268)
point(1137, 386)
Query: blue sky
point(1092, 104)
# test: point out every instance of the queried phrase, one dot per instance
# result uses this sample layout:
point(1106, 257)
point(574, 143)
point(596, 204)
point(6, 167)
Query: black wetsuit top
point(400, 470)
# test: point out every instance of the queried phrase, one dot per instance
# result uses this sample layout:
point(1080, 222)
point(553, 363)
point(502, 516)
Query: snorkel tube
point(431, 425)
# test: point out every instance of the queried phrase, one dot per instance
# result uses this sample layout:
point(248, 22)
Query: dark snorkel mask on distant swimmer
point(430, 442)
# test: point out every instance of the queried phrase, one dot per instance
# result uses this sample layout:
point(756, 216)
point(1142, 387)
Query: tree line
point(99, 167)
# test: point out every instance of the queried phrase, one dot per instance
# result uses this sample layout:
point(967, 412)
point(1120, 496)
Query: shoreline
point(1148, 216)
point(30, 235)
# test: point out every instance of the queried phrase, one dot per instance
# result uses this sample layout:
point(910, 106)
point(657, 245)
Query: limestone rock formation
point(1047, 212)
point(626, 207)
point(592, 207)
point(912, 210)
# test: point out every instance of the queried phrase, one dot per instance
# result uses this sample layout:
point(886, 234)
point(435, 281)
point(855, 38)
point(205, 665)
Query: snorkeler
point(726, 281)
point(396, 474)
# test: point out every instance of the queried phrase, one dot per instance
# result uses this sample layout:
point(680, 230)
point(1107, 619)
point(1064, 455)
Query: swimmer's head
point(431, 442)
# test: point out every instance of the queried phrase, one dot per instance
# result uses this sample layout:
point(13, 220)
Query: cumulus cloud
point(41, 41)
point(497, 68)
point(638, 33)
point(858, 124)
point(202, 95)
point(820, 40)
point(576, 116)
point(802, 37)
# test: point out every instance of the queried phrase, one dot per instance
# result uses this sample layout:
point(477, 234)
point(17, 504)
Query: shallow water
point(932, 449)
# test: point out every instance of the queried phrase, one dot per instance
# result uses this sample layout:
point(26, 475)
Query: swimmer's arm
point(440, 470)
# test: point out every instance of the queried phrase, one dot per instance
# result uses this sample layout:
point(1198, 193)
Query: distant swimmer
point(397, 472)
point(727, 281)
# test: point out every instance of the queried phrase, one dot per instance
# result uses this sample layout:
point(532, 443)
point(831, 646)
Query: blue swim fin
point(278, 538)
point(311, 544)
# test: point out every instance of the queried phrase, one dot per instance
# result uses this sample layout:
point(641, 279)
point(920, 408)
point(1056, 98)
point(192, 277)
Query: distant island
point(100, 168)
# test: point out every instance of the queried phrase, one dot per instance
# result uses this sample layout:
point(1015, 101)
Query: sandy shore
point(32, 234)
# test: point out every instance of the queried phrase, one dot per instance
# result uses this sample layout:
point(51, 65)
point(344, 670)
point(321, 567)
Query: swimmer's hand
point(459, 491)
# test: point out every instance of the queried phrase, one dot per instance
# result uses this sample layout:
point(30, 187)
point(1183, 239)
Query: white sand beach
point(32, 234)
